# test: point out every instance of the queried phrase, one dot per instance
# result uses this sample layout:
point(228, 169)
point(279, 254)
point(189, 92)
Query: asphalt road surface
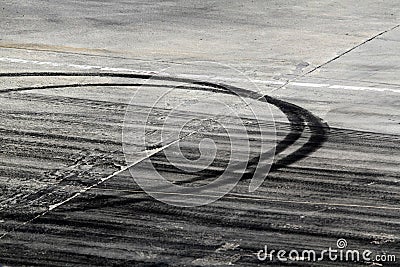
point(321, 86)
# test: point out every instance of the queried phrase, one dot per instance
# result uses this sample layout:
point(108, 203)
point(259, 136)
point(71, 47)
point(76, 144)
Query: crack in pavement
point(336, 57)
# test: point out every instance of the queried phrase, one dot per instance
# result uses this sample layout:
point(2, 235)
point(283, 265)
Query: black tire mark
point(296, 115)
point(319, 130)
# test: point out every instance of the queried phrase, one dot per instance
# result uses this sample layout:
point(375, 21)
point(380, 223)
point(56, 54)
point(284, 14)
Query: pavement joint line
point(353, 48)
point(148, 153)
point(337, 57)
point(281, 84)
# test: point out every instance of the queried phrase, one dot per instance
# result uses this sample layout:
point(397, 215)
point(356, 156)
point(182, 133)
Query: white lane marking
point(76, 66)
point(362, 88)
point(193, 76)
point(206, 77)
point(317, 85)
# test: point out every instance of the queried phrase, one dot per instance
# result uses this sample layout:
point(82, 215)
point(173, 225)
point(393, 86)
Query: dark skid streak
point(111, 225)
point(296, 115)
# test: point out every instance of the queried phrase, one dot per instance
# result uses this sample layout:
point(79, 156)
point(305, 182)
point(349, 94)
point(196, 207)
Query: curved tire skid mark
point(319, 130)
point(295, 114)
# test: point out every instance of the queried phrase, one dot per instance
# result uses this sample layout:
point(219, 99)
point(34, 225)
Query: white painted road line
point(269, 82)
